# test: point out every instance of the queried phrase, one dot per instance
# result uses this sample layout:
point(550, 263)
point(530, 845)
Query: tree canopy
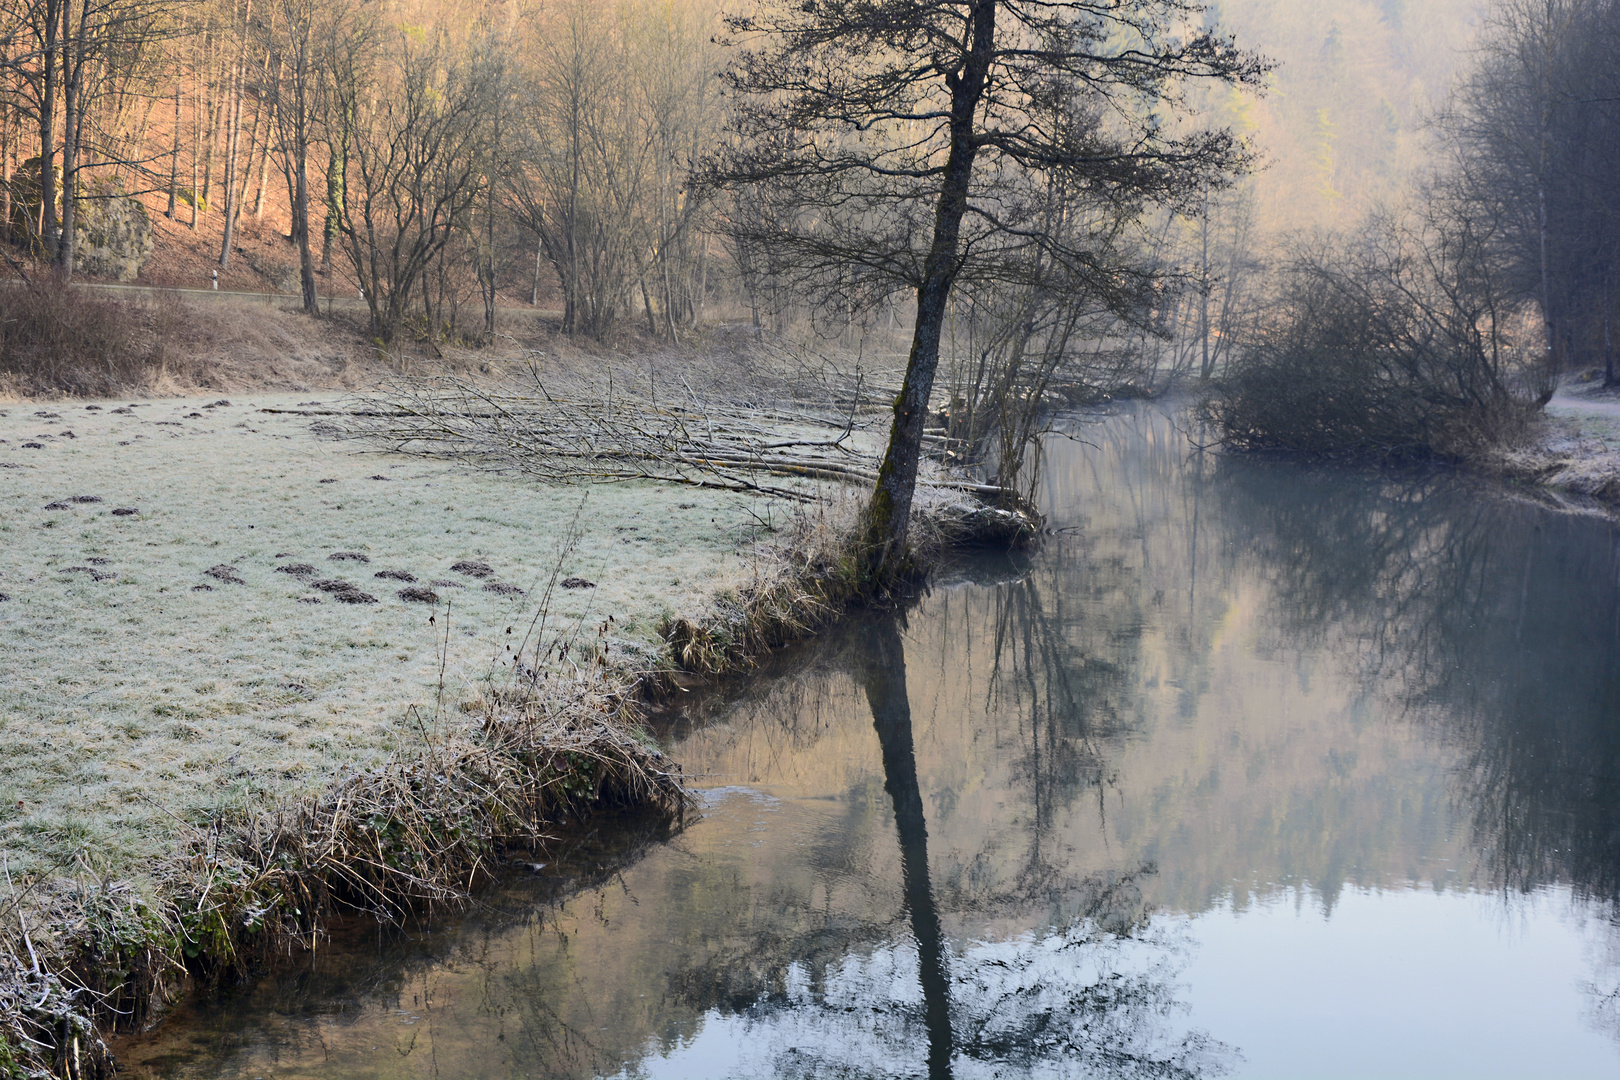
point(906, 143)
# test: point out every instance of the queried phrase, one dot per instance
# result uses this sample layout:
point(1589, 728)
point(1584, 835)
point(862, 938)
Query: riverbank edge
point(1559, 467)
point(415, 834)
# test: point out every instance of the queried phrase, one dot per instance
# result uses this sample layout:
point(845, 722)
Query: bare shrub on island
point(1396, 343)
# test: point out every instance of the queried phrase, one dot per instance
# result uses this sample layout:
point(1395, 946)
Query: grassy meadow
point(203, 604)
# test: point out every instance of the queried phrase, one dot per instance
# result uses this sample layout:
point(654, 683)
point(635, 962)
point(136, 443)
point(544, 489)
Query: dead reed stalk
point(415, 833)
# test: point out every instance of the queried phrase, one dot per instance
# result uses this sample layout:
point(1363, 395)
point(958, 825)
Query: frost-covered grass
point(139, 690)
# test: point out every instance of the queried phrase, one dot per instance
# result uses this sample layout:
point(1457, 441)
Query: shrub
point(1393, 345)
point(55, 338)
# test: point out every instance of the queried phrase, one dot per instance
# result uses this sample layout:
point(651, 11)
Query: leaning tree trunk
point(888, 515)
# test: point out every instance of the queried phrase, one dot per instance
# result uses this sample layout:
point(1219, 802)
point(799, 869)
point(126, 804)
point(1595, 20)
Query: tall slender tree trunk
point(5, 166)
point(337, 186)
point(216, 114)
point(489, 265)
point(49, 227)
point(701, 293)
point(72, 81)
point(292, 133)
point(253, 144)
point(233, 146)
point(300, 230)
point(174, 159)
point(264, 166)
point(888, 514)
point(534, 289)
point(233, 131)
point(196, 143)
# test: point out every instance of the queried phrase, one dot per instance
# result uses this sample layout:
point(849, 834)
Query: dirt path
point(1568, 403)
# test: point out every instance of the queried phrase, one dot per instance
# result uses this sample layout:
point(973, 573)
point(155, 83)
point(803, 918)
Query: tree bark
point(232, 136)
point(72, 70)
point(534, 289)
point(233, 146)
point(197, 111)
point(49, 229)
point(264, 166)
point(174, 158)
point(300, 230)
point(214, 114)
point(888, 514)
point(5, 167)
point(336, 191)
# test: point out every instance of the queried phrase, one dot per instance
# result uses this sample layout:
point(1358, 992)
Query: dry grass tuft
point(416, 833)
point(55, 339)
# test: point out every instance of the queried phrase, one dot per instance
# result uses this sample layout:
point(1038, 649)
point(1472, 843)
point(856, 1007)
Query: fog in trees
point(1038, 204)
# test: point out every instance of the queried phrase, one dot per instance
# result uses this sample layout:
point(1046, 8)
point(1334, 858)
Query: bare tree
point(415, 117)
point(899, 130)
point(77, 67)
point(1534, 135)
point(296, 39)
point(614, 108)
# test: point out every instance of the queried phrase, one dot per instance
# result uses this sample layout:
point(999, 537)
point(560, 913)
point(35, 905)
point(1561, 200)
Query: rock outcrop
point(113, 235)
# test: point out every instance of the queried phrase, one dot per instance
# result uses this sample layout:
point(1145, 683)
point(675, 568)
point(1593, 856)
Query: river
point(1252, 769)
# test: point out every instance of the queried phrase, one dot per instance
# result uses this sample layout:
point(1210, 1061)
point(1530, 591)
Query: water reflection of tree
point(1054, 1003)
point(1493, 622)
point(885, 681)
point(822, 993)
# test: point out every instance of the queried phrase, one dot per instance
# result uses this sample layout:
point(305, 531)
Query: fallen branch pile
point(618, 428)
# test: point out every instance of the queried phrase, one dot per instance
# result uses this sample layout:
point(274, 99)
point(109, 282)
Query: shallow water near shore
point(1253, 769)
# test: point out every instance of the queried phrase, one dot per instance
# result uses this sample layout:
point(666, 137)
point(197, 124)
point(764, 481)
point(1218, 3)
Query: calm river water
point(1252, 770)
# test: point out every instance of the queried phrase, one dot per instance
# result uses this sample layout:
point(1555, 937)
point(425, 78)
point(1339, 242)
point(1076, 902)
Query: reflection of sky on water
point(1259, 770)
point(1077, 1001)
point(1399, 983)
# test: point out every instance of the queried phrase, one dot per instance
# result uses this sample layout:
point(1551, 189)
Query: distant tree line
point(1534, 136)
point(1441, 327)
point(440, 152)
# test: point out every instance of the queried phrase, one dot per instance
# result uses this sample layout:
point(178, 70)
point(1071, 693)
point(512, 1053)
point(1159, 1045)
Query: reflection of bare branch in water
point(1494, 624)
point(1027, 1006)
point(1066, 697)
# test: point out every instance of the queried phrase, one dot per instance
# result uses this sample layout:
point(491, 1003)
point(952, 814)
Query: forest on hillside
point(443, 158)
point(573, 127)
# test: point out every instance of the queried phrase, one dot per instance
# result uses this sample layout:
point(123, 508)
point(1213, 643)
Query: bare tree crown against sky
point(904, 143)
